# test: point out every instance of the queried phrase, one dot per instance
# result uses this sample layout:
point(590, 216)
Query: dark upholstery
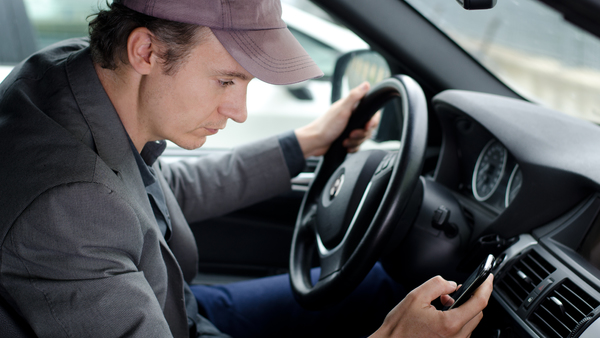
point(12, 324)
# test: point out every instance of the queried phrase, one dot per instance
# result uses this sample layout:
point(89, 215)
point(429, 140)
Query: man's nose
point(234, 106)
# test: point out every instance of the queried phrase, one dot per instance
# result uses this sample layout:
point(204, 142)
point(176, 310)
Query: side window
point(16, 34)
point(30, 25)
point(57, 20)
point(321, 53)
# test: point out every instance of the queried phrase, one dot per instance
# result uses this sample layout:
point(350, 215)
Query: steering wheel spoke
point(331, 262)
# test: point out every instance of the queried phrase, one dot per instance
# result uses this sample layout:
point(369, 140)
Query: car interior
point(476, 166)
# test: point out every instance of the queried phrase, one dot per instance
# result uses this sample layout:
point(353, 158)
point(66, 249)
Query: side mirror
point(477, 4)
point(356, 67)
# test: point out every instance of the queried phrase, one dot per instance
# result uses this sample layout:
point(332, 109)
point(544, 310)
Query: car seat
point(16, 33)
point(12, 324)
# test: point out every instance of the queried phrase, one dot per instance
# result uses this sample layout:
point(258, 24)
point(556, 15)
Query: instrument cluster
point(497, 178)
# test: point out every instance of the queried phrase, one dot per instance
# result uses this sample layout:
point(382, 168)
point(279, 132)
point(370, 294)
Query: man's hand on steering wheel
point(316, 137)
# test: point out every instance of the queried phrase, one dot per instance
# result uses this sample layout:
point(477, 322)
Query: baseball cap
point(252, 31)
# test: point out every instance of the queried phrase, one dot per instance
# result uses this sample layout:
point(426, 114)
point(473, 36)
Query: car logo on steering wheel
point(335, 188)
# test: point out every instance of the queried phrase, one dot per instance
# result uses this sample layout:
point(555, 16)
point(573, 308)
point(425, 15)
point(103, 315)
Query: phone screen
point(472, 283)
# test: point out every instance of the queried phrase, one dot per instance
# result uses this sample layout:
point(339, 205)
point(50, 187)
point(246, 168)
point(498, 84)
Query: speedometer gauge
point(514, 185)
point(489, 170)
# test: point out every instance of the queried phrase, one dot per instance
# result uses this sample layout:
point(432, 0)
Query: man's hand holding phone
point(462, 294)
point(416, 317)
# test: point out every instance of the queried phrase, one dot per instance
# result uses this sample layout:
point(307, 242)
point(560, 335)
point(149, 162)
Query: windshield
point(530, 47)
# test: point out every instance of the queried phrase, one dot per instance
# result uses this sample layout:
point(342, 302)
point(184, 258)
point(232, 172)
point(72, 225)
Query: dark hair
point(110, 29)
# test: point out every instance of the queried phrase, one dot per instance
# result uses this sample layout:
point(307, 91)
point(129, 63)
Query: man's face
point(195, 102)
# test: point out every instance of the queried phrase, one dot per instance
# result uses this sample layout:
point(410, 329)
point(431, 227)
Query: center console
point(549, 282)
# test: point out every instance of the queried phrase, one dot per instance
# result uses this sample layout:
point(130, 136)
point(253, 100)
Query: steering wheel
point(354, 204)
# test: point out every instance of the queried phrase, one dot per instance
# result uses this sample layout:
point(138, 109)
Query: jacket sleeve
point(215, 185)
point(70, 262)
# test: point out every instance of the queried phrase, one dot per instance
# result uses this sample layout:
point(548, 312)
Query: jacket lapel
point(110, 137)
point(112, 146)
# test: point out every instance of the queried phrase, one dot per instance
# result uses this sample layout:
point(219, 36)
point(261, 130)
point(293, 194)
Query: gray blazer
point(81, 254)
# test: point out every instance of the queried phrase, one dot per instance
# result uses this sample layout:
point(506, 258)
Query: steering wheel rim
point(349, 251)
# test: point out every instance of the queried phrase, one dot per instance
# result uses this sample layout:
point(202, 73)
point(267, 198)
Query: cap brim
point(271, 55)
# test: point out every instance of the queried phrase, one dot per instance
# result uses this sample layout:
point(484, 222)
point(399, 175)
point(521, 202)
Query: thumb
point(436, 287)
point(356, 95)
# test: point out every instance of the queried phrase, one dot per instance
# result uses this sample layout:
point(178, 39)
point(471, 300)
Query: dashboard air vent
point(564, 311)
point(523, 277)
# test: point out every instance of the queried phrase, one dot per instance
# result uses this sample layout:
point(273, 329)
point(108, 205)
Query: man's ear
point(140, 50)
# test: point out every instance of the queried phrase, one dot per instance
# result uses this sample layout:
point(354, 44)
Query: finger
point(352, 150)
point(358, 134)
point(352, 142)
point(446, 300)
point(478, 301)
point(435, 287)
point(356, 95)
point(368, 129)
point(352, 145)
point(484, 291)
point(374, 121)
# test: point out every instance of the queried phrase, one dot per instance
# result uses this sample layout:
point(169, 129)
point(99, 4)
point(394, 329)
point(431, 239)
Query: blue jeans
point(266, 307)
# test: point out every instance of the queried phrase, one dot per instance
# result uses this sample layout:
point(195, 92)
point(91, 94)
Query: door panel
point(252, 242)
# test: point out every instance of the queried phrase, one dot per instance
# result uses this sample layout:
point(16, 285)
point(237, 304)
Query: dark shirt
point(295, 162)
point(290, 147)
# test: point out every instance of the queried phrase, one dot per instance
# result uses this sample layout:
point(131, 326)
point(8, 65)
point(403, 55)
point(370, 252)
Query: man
point(95, 240)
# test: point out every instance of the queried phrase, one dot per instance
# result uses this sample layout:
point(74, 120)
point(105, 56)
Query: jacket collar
point(109, 134)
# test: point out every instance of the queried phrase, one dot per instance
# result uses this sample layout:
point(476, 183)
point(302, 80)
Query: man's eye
point(225, 83)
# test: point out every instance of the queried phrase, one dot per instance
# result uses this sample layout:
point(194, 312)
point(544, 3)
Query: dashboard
point(529, 177)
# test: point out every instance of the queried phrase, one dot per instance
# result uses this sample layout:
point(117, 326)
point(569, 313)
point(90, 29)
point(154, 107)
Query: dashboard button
point(540, 288)
point(440, 217)
point(531, 298)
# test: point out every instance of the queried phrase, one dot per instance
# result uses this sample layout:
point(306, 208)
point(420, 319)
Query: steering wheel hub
point(354, 175)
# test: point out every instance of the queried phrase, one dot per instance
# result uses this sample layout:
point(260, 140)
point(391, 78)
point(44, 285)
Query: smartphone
point(472, 283)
